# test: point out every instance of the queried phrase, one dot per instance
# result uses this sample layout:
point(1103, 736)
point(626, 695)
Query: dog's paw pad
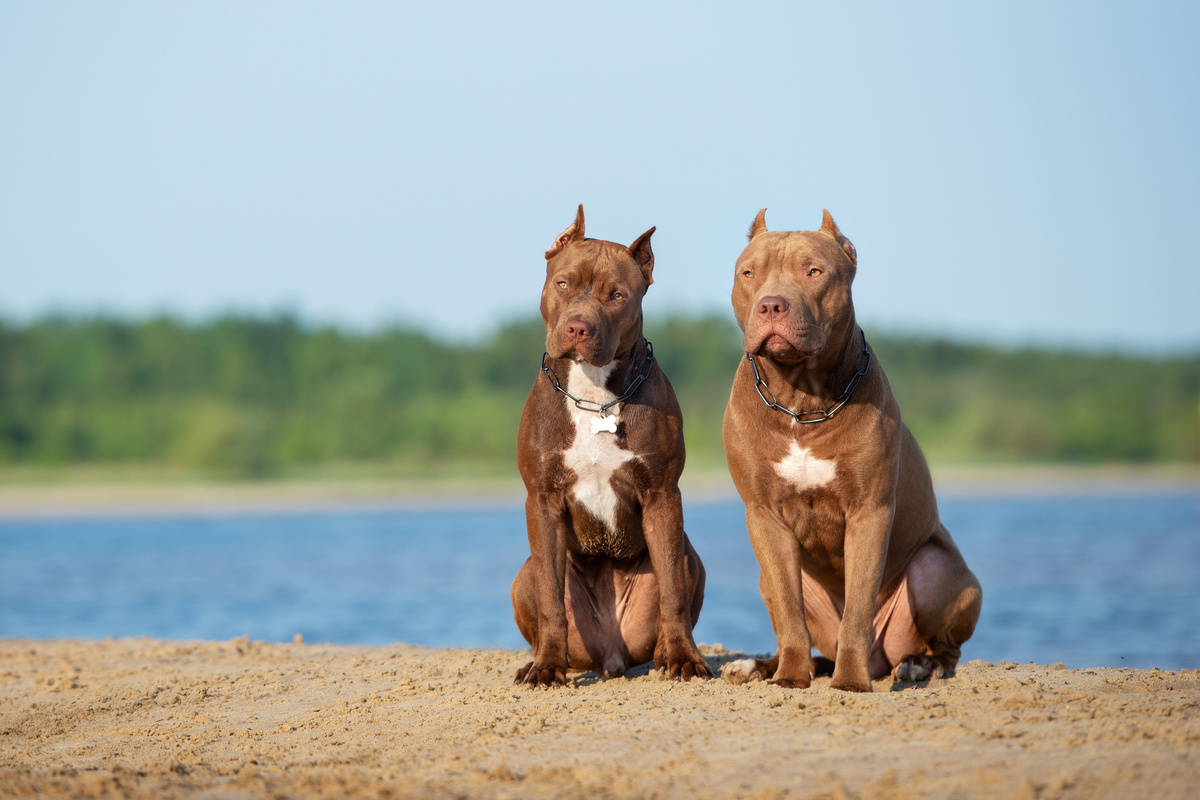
point(741, 671)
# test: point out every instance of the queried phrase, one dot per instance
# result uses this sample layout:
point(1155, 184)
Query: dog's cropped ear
point(830, 227)
point(758, 226)
point(572, 234)
point(643, 255)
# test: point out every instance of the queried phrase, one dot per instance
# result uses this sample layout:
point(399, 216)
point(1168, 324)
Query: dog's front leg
point(675, 649)
point(865, 552)
point(778, 553)
point(546, 525)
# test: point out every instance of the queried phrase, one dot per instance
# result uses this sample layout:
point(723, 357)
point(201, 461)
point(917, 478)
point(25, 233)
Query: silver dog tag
point(600, 424)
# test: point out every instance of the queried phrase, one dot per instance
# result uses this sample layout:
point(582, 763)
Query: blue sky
point(1015, 173)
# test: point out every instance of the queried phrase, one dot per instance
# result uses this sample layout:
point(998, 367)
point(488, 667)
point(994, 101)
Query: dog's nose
point(773, 306)
point(579, 329)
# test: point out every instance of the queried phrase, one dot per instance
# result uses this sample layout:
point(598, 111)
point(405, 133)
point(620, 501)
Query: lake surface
point(1087, 581)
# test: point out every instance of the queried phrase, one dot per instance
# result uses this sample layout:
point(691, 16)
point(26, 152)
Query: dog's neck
point(629, 364)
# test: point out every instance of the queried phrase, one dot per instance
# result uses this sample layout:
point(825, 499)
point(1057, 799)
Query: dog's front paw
point(852, 686)
point(791, 683)
point(792, 676)
point(682, 662)
point(849, 676)
point(534, 674)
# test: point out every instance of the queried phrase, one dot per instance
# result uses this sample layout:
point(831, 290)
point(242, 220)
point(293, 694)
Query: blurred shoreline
point(73, 498)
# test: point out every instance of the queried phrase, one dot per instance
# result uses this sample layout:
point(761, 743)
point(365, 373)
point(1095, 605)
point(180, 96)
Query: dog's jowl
point(839, 502)
point(612, 580)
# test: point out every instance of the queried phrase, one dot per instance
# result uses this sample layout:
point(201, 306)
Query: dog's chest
point(810, 505)
point(594, 457)
point(803, 471)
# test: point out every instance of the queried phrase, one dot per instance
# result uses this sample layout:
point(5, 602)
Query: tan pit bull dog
point(612, 580)
point(839, 502)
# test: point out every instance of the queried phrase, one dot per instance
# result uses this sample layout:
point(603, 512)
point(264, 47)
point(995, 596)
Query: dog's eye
point(618, 296)
point(562, 284)
point(749, 273)
point(814, 272)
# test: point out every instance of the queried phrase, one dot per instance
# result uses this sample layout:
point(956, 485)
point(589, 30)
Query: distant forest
point(249, 397)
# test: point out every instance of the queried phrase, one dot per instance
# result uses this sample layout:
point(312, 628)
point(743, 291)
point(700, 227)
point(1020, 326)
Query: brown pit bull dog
point(839, 502)
point(612, 580)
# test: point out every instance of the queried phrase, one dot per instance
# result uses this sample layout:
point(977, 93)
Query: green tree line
point(247, 396)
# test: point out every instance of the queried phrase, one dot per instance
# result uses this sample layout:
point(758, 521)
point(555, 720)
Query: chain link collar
point(591, 405)
point(864, 363)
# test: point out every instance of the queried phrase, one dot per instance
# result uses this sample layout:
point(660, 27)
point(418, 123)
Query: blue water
point(1087, 581)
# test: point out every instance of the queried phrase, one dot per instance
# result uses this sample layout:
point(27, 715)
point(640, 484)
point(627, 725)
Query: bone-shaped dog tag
point(600, 424)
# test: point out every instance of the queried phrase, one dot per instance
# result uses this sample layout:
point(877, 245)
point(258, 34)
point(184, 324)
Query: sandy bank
point(145, 718)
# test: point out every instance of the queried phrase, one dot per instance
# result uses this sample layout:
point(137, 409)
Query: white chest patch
point(593, 456)
point(803, 470)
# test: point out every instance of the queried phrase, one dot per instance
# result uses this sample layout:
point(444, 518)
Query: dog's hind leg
point(524, 600)
point(613, 613)
point(592, 597)
point(638, 602)
point(937, 612)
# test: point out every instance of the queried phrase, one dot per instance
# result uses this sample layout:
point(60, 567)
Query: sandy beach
point(246, 719)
